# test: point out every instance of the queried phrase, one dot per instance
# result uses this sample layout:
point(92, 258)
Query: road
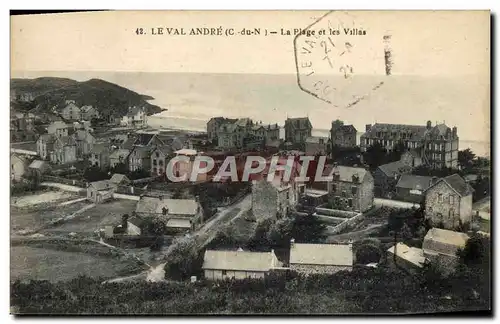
point(202, 236)
point(394, 203)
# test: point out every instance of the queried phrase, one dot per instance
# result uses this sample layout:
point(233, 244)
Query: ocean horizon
point(191, 99)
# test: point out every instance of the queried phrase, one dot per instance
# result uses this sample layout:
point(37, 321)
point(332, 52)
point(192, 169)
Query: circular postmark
point(339, 60)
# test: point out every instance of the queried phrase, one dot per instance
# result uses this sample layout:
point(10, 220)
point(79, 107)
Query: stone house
point(448, 202)
point(178, 215)
point(386, 177)
point(412, 158)
point(269, 135)
point(273, 199)
point(297, 130)
point(120, 179)
point(214, 124)
point(38, 168)
point(441, 246)
point(147, 139)
point(140, 159)
point(222, 265)
point(84, 143)
point(410, 259)
point(352, 185)
point(118, 156)
point(316, 145)
point(411, 187)
point(45, 145)
point(159, 160)
point(321, 258)
point(100, 191)
point(438, 144)
point(18, 167)
point(71, 111)
point(231, 136)
point(136, 117)
point(89, 113)
point(343, 135)
point(60, 128)
point(64, 150)
point(99, 157)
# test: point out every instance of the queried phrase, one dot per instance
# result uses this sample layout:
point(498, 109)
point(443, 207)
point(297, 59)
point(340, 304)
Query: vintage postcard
point(250, 162)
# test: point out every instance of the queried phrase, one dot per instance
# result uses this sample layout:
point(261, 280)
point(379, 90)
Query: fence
point(66, 181)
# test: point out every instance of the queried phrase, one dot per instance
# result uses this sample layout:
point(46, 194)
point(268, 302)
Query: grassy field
point(109, 213)
point(25, 219)
point(31, 263)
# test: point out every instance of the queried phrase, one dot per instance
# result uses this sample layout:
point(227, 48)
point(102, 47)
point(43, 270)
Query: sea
point(191, 99)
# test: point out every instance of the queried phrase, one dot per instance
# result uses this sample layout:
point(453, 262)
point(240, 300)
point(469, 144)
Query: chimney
point(368, 127)
point(434, 180)
point(292, 242)
point(429, 124)
point(454, 131)
point(124, 221)
point(349, 243)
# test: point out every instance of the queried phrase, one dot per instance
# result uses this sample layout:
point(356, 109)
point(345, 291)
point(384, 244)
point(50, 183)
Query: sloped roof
point(348, 128)
point(243, 122)
point(418, 131)
point(129, 143)
point(116, 154)
point(86, 108)
point(393, 168)
point(99, 148)
point(39, 164)
point(49, 138)
point(186, 152)
point(119, 178)
point(135, 220)
point(165, 150)
point(238, 260)
point(346, 173)
point(458, 184)
point(102, 185)
point(410, 254)
point(155, 205)
point(178, 223)
point(143, 152)
point(315, 139)
point(134, 110)
point(409, 181)
point(321, 254)
point(444, 241)
point(304, 123)
point(143, 138)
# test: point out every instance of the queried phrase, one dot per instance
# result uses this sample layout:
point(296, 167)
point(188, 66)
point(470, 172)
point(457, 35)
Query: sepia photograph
point(250, 162)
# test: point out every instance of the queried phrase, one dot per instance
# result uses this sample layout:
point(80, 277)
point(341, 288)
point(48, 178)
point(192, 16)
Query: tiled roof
point(143, 139)
point(394, 168)
point(102, 185)
point(444, 241)
point(137, 221)
point(119, 178)
point(38, 164)
point(409, 181)
point(129, 143)
point(116, 154)
point(315, 139)
point(239, 260)
point(179, 223)
point(243, 122)
point(346, 173)
point(100, 148)
point(142, 152)
point(321, 254)
point(186, 207)
point(410, 254)
point(458, 184)
point(418, 131)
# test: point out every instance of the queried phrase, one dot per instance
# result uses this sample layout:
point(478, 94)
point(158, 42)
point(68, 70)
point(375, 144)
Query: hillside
point(42, 94)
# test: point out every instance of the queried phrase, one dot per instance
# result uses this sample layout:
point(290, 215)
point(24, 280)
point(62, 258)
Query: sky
point(423, 42)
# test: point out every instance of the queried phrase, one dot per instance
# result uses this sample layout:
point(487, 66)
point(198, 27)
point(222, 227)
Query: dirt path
point(61, 186)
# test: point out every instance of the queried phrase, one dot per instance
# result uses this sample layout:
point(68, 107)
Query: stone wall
point(347, 223)
point(335, 212)
point(314, 269)
point(264, 200)
point(442, 211)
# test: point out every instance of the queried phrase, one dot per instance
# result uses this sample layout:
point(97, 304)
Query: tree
point(94, 173)
point(369, 251)
point(466, 159)
point(398, 150)
point(375, 156)
point(308, 229)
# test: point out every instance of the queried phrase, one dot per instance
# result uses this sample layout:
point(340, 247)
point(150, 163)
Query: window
point(224, 272)
point(344, 194)
point(350, 202)
point(440, 198)
point(160, 171)
point(354, 190)
point(334, 188)
point(160, 162)
point(96, 156)
point(451, 213)
point(154, 161)
point(154, 171)
point(157, 154)
point(452, 199)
